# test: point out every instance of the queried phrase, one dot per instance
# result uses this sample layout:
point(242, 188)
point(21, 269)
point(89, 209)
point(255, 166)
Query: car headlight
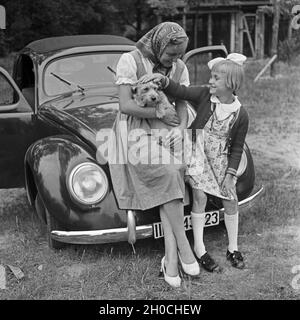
point(243, 164)
point(87, 183)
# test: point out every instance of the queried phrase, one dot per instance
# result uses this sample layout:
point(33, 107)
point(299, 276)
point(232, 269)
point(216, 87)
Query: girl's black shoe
point(208, 263)
point(236, 259)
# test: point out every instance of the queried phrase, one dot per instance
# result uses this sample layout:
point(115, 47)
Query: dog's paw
point(160, 112)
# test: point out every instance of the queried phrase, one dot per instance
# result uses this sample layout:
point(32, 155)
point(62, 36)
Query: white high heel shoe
point(174, 282)
point(191, 269)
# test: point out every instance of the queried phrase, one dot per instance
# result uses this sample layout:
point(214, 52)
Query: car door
point(196, 62)
point(199, 73)
point(17, 132)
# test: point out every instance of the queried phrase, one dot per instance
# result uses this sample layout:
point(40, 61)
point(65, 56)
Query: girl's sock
point(198, 221)
point(231, 223)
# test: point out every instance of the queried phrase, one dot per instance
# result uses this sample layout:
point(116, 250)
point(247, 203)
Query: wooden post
point(232, 32)
point(2, 17)
point(237, 32)
point(249, 35)
point(209, 30)
point(259, 34)
point(195, 46)
point(290, 30)
point(196, 31)
point(184, 19)
point(241, 32)
point(275, 27)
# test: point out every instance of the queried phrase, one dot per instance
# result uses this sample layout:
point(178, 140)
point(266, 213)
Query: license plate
point(211, 219)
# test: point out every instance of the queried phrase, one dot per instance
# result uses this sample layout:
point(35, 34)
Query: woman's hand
point(170, 118)
point(174, 138)
point(228, 186)
point(155, 77)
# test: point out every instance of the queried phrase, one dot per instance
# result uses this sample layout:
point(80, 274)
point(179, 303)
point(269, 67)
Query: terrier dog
point(150, 95)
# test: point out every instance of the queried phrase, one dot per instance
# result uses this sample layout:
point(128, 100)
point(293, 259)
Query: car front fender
point(50, 161)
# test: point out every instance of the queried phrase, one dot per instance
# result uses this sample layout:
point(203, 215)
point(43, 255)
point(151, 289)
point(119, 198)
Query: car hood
point(83, 115)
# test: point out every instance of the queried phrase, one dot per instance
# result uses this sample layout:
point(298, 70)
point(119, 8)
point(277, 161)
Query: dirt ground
point(269, 233)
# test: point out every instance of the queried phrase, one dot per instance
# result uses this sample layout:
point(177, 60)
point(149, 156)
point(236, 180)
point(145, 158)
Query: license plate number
point(211, 219)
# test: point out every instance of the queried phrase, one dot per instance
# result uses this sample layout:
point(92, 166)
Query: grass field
point(269, 233)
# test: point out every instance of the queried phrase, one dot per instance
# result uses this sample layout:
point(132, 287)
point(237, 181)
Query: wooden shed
point(240, 25)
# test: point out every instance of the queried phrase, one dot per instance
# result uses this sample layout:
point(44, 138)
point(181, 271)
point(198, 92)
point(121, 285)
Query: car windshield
point(71, 73)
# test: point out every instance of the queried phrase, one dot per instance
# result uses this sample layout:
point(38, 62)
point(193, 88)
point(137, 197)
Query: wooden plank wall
point(237, 28)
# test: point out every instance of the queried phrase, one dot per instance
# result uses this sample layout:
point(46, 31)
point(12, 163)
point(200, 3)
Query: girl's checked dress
point(214, 162)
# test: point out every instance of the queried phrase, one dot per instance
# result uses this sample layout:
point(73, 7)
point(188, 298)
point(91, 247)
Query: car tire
point(48, 222)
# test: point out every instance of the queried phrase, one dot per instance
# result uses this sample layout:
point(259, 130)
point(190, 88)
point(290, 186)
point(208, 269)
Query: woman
point(139, 185)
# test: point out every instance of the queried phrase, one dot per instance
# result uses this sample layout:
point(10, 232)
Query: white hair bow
point(234, 57)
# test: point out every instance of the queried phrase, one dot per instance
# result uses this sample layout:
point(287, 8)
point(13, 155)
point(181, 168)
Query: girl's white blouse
point(223, 110)
point(126, 70)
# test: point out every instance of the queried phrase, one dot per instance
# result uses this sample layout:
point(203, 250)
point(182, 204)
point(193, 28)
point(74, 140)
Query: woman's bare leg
point(171, 259)
point(173, 211)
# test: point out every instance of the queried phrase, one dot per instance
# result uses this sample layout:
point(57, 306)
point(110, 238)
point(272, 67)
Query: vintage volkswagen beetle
point(62, 94)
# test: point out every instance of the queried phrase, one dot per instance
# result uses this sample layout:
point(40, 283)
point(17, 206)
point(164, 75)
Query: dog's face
point(146, 94)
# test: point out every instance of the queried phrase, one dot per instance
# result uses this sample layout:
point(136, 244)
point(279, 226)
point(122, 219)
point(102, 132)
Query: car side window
point(8, 94)
point(24, 77)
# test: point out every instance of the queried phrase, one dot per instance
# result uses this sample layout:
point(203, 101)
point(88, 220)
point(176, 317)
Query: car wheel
point(48, 222)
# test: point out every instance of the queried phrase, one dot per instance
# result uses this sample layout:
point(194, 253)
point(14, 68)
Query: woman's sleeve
point(126, 70)
point(185, 79)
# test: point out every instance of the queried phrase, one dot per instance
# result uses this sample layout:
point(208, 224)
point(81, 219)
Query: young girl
point(225, 124)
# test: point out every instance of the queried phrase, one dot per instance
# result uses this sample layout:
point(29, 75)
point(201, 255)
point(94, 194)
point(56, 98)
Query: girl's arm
point(237, 144)
point(236, 150)
point(194, 94)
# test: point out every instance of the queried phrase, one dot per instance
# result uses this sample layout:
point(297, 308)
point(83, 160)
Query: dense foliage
point(29, 20)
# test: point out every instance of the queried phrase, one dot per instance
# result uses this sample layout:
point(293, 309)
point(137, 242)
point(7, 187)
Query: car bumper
point(132, 232)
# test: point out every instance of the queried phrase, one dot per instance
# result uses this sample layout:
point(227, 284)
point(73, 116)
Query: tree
point(30, 20)
point(138, 16)
point(166, 7)
point(134, 18)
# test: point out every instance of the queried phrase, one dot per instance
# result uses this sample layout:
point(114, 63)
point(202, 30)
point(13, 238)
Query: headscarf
point(155, 41)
